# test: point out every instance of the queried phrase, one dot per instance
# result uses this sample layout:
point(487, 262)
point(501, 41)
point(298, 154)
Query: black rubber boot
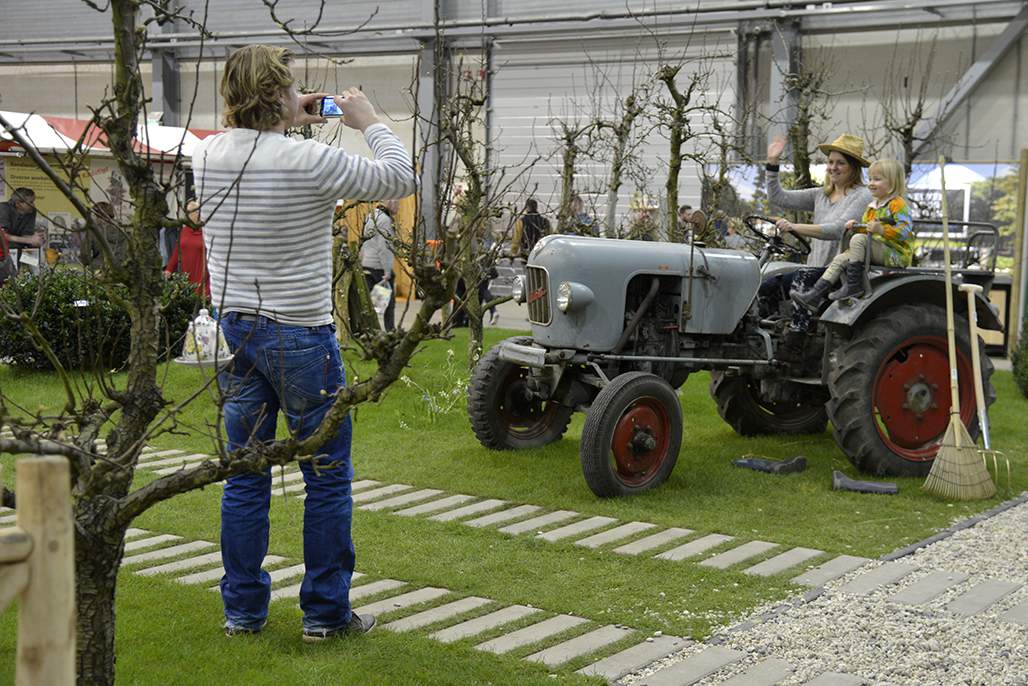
point(853, 285)
point(791, 349)
point(815, 297)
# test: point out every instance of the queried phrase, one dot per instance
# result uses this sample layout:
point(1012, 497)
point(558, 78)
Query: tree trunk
point(567, 184)
point(97, 558)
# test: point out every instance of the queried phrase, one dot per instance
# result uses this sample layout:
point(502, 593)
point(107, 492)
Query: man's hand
point(303, 113)
point(358, 112)
point(774, 149)
point(386, 277)
point(850, 224)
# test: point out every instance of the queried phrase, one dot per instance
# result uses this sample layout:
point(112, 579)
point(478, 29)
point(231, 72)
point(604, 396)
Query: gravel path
point(884, 642)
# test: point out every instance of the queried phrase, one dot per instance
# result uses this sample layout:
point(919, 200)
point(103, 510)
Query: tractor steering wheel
point(773, 240)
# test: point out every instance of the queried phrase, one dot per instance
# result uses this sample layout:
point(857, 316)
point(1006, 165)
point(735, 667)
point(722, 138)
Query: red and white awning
point(51, 134)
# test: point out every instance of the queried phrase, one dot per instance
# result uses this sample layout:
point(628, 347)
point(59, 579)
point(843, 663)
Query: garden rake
point(958, 472)
point(979, 387)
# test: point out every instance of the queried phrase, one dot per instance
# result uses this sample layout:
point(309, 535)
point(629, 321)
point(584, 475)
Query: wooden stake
point(46, 612)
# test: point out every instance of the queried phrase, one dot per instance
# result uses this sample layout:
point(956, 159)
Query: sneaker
point(236, 630)
point(358, 625)
point(494, 317)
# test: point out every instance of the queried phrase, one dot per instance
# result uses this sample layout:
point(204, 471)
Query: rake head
point(959, 472)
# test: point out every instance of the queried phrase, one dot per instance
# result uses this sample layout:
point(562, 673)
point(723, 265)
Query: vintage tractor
point(618, 326)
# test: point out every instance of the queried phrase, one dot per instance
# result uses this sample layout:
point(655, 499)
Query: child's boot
point(853, 284)
point(814, 298)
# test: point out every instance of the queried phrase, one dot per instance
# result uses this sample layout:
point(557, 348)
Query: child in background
point(189, 255)
point(886, 229)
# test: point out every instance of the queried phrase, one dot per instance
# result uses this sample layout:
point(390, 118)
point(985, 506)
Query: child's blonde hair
point(252, 85)
point(893, 173)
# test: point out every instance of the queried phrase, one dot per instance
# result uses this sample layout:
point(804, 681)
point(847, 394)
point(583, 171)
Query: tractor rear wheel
point(890, 390)
point(740, 405)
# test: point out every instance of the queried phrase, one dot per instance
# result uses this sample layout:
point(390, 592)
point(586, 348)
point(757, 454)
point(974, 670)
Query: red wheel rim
point(640, 442)
point(912, 396)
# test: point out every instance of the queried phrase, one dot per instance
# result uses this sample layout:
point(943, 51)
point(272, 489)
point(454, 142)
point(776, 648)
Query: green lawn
point(170, 634)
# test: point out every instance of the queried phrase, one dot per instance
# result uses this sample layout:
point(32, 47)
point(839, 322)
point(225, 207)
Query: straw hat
point(642, 201)
point(847, 144)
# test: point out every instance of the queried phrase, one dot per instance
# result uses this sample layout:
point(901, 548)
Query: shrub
point(86, 328)
point(1020, 360)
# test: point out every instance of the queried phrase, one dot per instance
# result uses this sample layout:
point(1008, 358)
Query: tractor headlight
point(517, 289)
point(564, 296)
point(573, 296)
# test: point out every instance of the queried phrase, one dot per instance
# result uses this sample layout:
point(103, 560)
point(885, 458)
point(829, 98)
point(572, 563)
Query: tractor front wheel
point(631, 435)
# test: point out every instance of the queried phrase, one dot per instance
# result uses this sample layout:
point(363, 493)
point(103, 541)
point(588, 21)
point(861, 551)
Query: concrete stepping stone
point(380, 492)
point(288, 489)
point(291, 571)
point(580, 645)
point(131, 533)
point(405, 499)
point(380, 586)
point(291, 591)
point(693, 668)
point(176, 461)
point(981, 597)
point(150, 541)
point(693, 548)
point(531, 634)
point(739, 554)
point(437, 614)
point(362, 485)
point(468, 510)
point(1017, 614)
point(831, 570)
point(436, 505)
point(165, 553)
point(581, 527)
point(182, 565)
point(615, 534)
point(889, 573)
point(287, 478)
point(503, 516)
point(422, 595)
point(783, 561)
point(631, 659)
point(9, 519)
point(478, 625)
point(835, 679)
point(215, 574)
point(765, 673)
point(928, 587)
point(155, 454)
point(653, 541)
point(538, 522)
point(5, 509)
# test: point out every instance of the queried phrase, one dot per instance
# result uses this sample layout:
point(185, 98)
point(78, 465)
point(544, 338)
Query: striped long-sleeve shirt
point(267, 202)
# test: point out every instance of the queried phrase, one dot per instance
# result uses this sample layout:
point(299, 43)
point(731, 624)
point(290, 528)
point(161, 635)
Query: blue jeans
point(777, 289)
point(297, 370)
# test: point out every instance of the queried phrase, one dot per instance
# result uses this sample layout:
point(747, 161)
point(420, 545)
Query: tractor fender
point(905, 289)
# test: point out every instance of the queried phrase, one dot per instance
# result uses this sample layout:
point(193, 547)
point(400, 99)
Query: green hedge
point(1019, 357)
point(84, 326)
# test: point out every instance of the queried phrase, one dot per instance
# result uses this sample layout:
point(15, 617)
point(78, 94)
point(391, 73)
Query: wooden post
point(1017, 289)
point(46, 612)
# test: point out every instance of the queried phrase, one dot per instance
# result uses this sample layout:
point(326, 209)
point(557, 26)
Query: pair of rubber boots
point(852, 287)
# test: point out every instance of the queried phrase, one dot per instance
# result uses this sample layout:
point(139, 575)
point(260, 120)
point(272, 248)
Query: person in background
point(189, 255)
point(734, 239)
point(533, 226)
point(377, 254)
point(90, 250)
point(582, 223)
point(18, 221)
point(642, 224)
point(267, 202)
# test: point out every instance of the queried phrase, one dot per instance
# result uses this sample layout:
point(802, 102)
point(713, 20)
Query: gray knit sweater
point(832, 217)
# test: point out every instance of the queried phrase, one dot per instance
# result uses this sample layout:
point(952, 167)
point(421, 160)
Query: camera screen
point(329, 108)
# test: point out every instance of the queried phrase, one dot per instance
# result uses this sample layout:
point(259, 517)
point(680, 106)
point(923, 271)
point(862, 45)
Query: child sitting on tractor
point(886, 229)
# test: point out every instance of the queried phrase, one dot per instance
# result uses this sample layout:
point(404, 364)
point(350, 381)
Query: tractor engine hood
point(598, 272)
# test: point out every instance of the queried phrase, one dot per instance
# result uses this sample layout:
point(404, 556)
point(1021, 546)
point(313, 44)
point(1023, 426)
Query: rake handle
point(976, 361)
point(951, 337)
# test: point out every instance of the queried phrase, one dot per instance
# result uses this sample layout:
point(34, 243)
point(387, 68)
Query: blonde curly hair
point(252, 85)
